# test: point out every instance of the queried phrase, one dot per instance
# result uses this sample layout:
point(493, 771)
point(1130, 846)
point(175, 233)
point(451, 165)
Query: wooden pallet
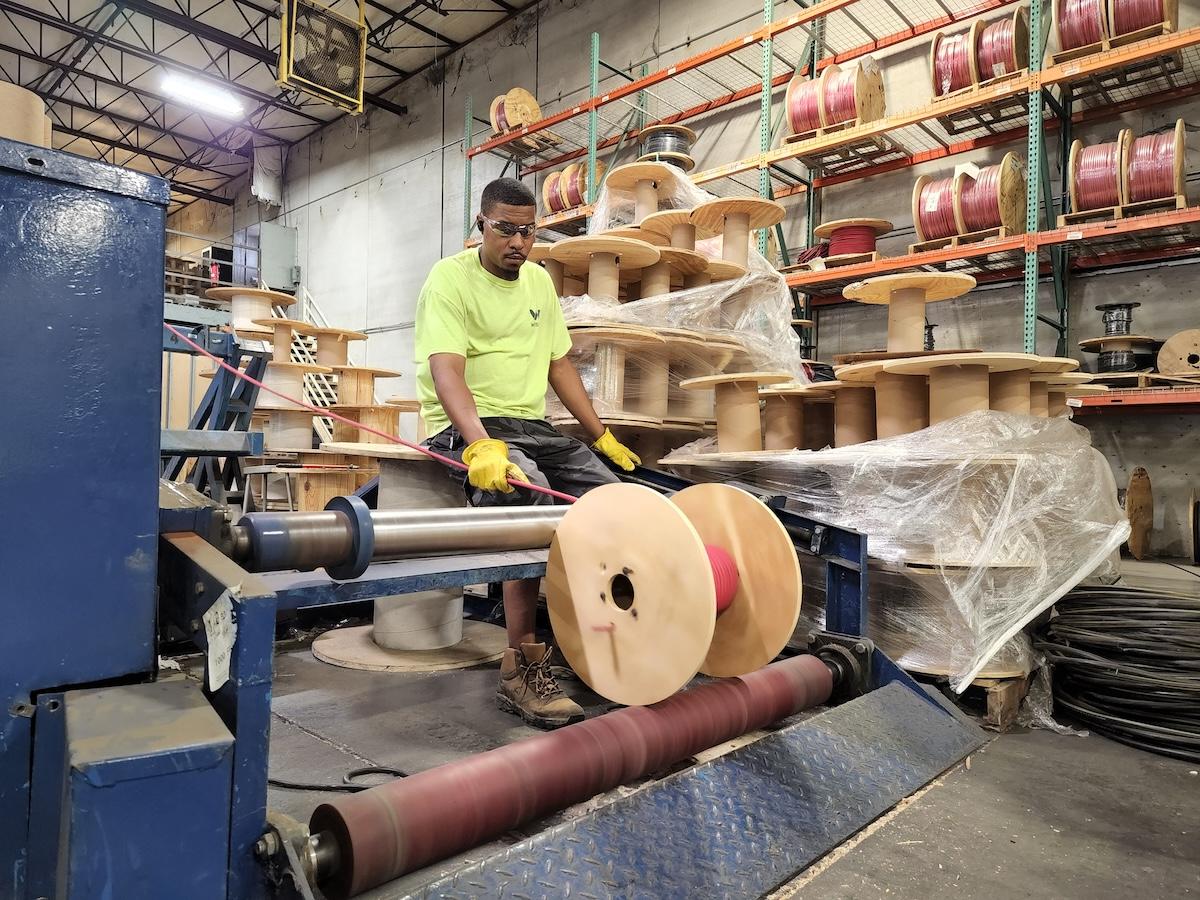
point(1124, 40)
point(821, 132)
point(537, 142)
point(833, 262)
point(1124, 211)
point(959, 240)
point(1003, 696)
point(1136, 380)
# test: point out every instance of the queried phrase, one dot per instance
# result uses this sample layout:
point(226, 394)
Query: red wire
point(935, 207)
point(804, 112)
point(573, 192)
point(1080, 22)
point(951, 65)
point(1097, 177)
point(852, 239)
point(981, 200)
point(841, 102)
point(1152, 167)
point(552, 189)
point(1131, 15)
point(995, 52)
point(501, 116)
point(316, 410)
point(725, 575)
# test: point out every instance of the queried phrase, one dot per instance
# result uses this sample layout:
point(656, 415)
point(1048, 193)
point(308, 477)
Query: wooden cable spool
point(356, 384)
point(959, 383)
point(851, 237)
point(513, 109)
point(248, 304)
point(1180, 354)
point(649, 181)
point(1129, 16)
point(905, 294)
point(734, 218)
point(953, 62)
point(1003, 46)
point(1080, 23)
point(333, 345)
point(835, 97)
point(934, 210)
point(604, 258)
point(1152, 165)
point(785, 415)
point(739, 427)
point(995, 199)
point(283, 331)
point(637, 619)
point(1095, 173)
point(670, 144)
point(853, 411)
point(901, 401)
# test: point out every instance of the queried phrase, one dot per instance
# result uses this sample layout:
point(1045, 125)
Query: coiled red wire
point(995, 51)
point(1098, 177)
point(852, 239)
point(1080, 22)
point(1152, 167)
point(841, 101)
point(552, 194)
point(980, 200)
point(935, 209)
point(804, 110)
point(1132, 15)
point(951, 64)
point(501, 117)
point(725, 575)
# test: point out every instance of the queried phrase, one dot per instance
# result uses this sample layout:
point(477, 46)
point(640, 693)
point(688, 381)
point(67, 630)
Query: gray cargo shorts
point(548, 457)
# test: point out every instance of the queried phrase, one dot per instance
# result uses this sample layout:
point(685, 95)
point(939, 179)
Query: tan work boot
point(527, 689)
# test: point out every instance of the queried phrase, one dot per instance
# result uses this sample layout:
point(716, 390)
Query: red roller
point(1134, 15)
point(804, 106)
point(1080, 23)
point(382, 833)
point(1098, 177)
point(936, 210)
point(841, 100)
point(725, 575)
point(996, 51)
point(1152, 167)
point(952, 63)
point(980, 200)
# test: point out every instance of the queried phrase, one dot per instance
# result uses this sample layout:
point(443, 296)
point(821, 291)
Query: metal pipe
point(266, 542)
point(398, 827)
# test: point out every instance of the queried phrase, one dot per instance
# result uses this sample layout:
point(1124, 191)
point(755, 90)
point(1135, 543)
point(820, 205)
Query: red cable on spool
point(996, 53)
point(1080, 22)
point(936, 209)
point(501, 117)
point(804, 108)
point(981, 200)
point(553, 199)
point(852, 239)
point(1098, 177)
point(725, 575)
point(1133, 15)
point(1152, 167)
point(951, 63)
point(841, 101)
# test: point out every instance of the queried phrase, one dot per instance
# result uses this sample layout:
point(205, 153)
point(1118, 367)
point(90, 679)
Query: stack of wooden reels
point(1130, 176)
point(969, 207)
point(1083, 27)
point(23, 116)
point(568, 188)
point(986, 52)
point(837, 99)
point(291, 469)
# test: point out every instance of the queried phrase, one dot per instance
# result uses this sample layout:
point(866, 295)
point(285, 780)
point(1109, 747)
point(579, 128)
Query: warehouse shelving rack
point(1025, 106)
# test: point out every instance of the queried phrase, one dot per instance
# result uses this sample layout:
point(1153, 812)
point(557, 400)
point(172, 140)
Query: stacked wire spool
point(1131, 18)
point(568, 188)
point(837, 97)
point(959, 205)
point(670, 144)
point(1085, 26)
point(851, 239)
point(513, 109)
point(1128, 171)
point(1119, 349)
point(1126, 662)
point(983, 52)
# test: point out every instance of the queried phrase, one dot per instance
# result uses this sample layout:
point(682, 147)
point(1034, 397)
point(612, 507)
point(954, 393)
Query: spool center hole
point(621, 591)
point(1193, 358)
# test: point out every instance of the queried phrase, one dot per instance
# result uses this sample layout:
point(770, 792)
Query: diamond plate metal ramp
point(742, 824)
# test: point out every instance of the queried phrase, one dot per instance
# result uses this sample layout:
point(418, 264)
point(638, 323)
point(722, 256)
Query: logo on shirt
point(534, 314)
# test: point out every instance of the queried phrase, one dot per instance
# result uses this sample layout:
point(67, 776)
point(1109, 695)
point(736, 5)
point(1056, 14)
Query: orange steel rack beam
point(1139, 401)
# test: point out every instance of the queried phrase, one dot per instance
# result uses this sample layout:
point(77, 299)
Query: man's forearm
point(456, 398)
point(567, 384)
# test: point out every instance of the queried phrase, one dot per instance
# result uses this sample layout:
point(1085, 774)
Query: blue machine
point(116, 781)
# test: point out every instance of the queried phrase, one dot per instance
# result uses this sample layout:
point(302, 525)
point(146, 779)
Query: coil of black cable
point(1126, 661)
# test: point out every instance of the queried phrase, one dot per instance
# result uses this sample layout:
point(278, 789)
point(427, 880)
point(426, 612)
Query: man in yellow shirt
point(490, 338)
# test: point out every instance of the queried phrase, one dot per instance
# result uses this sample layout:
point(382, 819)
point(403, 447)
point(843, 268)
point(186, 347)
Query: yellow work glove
point(488, 467)
point(621, 456)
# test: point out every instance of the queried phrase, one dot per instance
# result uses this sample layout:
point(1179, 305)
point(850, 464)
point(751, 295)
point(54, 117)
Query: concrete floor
point(1034, 814)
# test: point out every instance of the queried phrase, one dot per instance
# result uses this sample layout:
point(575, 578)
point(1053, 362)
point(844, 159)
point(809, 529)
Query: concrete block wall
point(378, 199)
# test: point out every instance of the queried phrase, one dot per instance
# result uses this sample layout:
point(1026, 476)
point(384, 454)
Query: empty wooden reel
point(637, 618)
point(333, 345)
point(1180, 354)
point(247, 304)
point(905, 295)
point(734, 218)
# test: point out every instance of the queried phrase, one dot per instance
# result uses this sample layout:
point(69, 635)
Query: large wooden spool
point(513, 109)
point(1180, 177)
point(1124, 142)
point(905, 295)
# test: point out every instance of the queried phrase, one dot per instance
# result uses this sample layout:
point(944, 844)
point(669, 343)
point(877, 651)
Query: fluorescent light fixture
point(204, 95)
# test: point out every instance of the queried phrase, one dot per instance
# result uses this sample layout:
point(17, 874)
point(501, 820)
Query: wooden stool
point(905, 295)
point(739, 426)
point(785, 415)
point(283, 331)
point(901, 401)
point(248, 304)
point(649, 182)
point(853, 411)
point(636, 630)
point(356, 384)
point(604, 258)
point(959, 383)
point(333, 345)
point(734, 219)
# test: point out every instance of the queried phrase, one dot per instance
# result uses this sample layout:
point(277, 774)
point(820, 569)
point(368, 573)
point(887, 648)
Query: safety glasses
point(508, 229)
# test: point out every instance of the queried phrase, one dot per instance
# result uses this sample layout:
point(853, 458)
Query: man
point(490, 337)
